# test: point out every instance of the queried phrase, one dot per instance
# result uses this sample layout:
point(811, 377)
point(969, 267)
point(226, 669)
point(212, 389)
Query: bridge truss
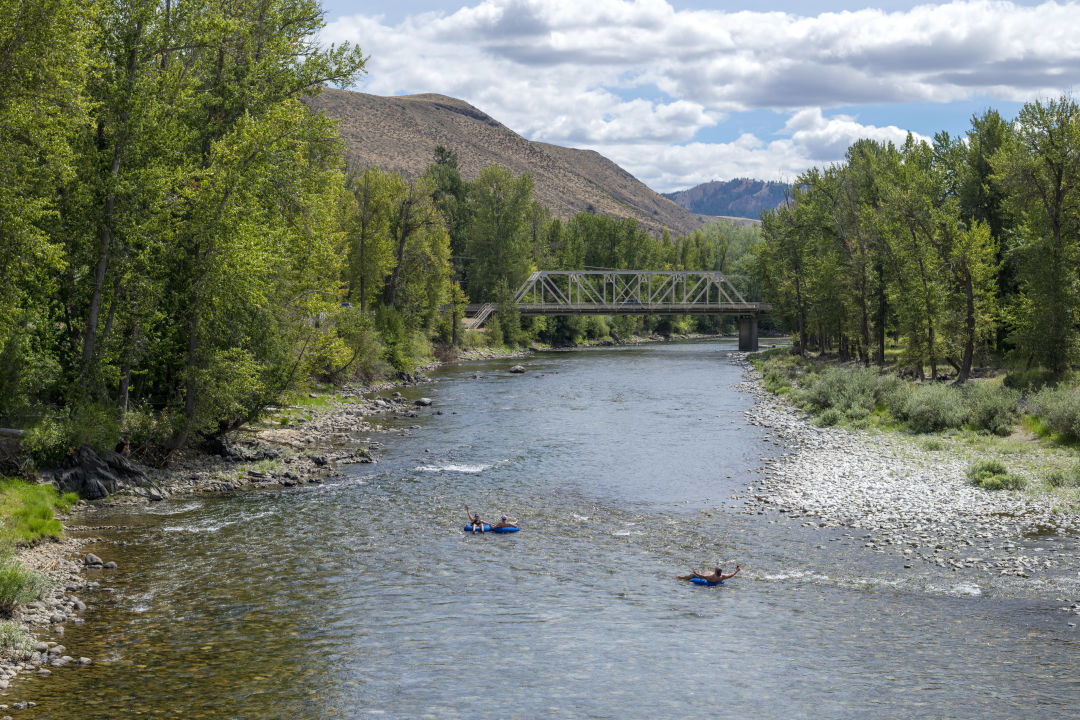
point(632, 292)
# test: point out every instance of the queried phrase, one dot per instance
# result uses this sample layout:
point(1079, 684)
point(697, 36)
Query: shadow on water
point(364, 598)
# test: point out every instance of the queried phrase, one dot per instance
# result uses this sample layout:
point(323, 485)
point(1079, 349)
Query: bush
point(934, 407)
point(1025, 380)
point(19, 586)
point(95, 426)
point(1060, 410)
point(830, 417)
point(992, 474)
point(852, 392)
point(994, 409)
point(15, 642)
point(1064, 478)
point(775, 380)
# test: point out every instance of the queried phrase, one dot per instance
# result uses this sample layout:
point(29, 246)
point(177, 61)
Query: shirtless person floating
point(715, 576)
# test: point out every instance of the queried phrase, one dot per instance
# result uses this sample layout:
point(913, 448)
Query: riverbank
point(908, 495)
point(294, 445)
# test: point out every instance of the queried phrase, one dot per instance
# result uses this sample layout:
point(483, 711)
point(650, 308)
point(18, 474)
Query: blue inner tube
point(488, 528)
point(703, 581)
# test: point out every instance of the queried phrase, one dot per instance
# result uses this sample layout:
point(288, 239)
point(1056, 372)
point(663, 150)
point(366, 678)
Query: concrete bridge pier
point(748, 333)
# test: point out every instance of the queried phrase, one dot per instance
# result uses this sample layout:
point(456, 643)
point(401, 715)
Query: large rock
point(234, 452)
point(95, 476)
point(517, 369)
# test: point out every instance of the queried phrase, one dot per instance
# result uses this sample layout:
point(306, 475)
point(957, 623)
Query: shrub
point(1060, 410)
point(1064, 478)
point(849, 391)
point(15, 641)
point(830, 417)
point(933, 445)
point(19, 586)
point(775, 380)
point(934, 407)
point(994, 409)
point(1025, 380)
point(992, 474)
point(95, 426)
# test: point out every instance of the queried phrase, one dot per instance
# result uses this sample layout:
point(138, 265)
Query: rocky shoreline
point(904, 497)
point(258, 457)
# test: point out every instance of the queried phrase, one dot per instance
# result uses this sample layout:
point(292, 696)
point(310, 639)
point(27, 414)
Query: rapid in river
point(363, 598)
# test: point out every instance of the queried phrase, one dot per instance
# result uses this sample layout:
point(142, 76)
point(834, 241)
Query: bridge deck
point(632, 308)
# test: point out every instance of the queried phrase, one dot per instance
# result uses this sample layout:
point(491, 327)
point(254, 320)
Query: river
point(363, 598)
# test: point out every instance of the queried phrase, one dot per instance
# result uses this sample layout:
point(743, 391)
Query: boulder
point(234, 452)
point(422, 402)
point(94, 476)
point(517, 369)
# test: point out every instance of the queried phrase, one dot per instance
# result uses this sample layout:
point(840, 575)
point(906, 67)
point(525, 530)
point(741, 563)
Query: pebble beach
point(903, 497)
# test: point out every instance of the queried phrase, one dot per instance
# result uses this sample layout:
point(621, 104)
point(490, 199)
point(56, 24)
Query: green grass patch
point(28, 512)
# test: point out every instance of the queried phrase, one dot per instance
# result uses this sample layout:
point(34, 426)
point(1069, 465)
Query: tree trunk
point(964, 371)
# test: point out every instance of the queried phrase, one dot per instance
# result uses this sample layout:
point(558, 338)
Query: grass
point(28, 512)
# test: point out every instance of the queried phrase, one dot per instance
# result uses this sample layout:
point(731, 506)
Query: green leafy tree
point(499, 238)
point(43, 108)
point(1039, 165)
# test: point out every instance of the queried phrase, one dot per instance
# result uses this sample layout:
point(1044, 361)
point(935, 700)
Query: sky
point(681, 92)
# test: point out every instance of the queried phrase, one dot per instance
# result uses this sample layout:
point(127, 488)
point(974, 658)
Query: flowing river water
point(363, 598)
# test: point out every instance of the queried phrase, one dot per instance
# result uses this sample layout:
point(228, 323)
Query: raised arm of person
point(731, 574)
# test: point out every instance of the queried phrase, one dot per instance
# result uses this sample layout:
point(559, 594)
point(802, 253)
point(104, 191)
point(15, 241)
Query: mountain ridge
point(400, 133)
point(741, 197)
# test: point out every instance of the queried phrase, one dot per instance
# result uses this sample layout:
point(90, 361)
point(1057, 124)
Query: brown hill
point(399, 134)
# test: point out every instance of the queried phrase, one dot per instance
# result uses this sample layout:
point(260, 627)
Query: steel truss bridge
point(631, 292)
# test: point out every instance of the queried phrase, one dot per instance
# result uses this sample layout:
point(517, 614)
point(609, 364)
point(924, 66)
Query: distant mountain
point(400, 134)
point(741, 197)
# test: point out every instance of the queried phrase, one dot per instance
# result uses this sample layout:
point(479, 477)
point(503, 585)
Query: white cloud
point(613, 74)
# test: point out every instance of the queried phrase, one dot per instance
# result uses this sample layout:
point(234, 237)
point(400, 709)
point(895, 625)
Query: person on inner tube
point(504, 522)
point(715, 576)
point(475, 521)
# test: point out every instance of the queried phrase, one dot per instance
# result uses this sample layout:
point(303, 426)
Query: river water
point(363, 598)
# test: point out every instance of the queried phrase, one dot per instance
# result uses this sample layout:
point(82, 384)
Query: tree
point(1039, 164)
point(43, 108)
point(499, 240)
point(370, 246)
